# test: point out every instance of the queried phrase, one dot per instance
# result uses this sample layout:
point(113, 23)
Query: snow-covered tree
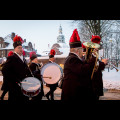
point(108, 30)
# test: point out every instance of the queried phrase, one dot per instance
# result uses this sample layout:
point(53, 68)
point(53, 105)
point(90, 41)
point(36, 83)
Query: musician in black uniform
point(52, 87)
point(4, 87)
point(35, 69)
point(97, 81)
point(76, 82)
point(15, 70)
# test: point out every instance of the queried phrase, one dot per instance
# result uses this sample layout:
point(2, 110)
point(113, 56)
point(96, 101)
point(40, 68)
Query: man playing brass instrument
point(96, 77)
point(77, 84)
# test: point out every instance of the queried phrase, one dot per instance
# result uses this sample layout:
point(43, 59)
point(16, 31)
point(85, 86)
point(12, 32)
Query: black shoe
point(47, 96)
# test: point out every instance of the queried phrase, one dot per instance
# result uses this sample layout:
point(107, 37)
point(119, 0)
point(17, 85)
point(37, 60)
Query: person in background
point(97, 81)
point(4, 87)
point(52, 87)
point(35, 69)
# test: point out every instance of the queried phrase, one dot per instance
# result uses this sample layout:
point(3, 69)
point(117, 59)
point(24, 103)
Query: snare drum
point(31, 86)
point(52, 70)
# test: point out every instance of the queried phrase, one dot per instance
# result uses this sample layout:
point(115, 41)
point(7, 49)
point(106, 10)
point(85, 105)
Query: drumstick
point(26, 82)
point(47, 77)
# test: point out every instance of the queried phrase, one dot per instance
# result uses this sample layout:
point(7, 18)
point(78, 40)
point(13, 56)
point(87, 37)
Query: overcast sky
point(40, 32)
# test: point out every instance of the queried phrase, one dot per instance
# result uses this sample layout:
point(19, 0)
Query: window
point(2, 53)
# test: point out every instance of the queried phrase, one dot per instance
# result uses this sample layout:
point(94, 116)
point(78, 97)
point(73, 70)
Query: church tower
point(60, 47)
point(60, 38)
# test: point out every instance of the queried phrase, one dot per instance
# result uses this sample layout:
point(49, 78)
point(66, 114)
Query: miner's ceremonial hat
point(17, 41)
point(52, 53)
point(75, 40)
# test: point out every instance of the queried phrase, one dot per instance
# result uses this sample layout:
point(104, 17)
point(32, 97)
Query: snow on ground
point(111, 79)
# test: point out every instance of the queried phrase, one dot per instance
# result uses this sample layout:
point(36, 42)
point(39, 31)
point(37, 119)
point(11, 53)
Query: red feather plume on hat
point(10, 53)
point(52, 52)
point(83, 46)
point(17, 38)
point(95, 39)
point(32, 53)
point(75, 36)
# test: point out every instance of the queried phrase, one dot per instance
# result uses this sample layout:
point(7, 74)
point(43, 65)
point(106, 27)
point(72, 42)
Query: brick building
point(6, 45)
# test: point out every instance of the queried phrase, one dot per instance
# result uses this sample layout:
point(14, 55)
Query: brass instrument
point(0, 67)
point(95, 66)
point(88, 55)
point(90, 46)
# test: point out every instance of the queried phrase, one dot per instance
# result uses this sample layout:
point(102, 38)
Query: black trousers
point(51, 92)
point(3, 94)
point(40, 95)
point(15, 94)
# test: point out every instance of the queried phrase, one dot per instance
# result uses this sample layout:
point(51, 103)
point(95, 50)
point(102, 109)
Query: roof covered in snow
point(8, 39)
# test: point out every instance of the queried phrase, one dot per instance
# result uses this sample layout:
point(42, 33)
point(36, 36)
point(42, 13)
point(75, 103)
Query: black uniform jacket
point(14, 71)
point(77, 84)
point(37, 73)
point(97, 80)
point(35, 70)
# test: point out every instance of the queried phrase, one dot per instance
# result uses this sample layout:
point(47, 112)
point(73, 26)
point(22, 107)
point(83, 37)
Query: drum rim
point(36, 92)
point(58, 67)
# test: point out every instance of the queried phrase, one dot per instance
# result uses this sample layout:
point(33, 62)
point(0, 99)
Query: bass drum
point(31, 86)
point(52, 73)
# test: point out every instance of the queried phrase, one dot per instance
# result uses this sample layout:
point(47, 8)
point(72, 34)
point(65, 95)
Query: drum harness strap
point(31, 74)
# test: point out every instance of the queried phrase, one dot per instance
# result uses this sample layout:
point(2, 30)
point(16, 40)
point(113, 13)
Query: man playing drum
point(15, 70)
point(53, 87)
point(34, 67)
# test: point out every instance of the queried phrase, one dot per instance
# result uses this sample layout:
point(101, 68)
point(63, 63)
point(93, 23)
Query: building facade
point(60, 47)
point(6, 45)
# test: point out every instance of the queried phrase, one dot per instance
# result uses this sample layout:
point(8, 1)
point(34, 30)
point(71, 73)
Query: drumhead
point(52, 70)
point(30, 84)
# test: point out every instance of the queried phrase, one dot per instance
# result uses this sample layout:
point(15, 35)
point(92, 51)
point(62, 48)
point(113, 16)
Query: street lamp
point(111, 48)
